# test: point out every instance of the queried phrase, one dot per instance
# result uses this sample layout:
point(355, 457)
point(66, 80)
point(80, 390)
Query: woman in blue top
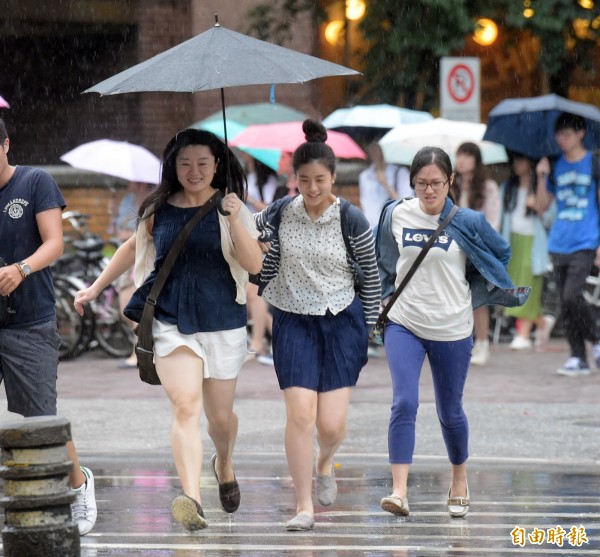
point(200, 319)
point(464, 269)
point(320, 276)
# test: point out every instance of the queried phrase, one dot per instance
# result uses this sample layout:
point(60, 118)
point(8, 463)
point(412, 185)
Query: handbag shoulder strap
point(417, 262)
point(177, 246)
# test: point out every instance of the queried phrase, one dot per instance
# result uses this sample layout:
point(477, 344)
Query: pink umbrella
point(4, 103)
point(286, 136)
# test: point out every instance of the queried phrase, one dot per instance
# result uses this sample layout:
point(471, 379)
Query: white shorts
point(223, 352)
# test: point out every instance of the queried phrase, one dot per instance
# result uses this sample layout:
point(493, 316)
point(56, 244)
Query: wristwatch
point(24, 269)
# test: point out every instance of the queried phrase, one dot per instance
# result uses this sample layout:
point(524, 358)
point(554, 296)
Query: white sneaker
point(520, 343)
point(481, 352)
point(84, 508)
point(573, 367)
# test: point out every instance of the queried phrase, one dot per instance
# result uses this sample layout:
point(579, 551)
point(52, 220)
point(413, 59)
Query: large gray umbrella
point(216, 59)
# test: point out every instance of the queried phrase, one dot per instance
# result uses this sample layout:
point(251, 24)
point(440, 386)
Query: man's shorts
point(28, 367)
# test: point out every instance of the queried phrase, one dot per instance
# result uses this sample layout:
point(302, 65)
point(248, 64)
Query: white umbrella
point(121, 159)
point(401, 144)
point(4, 102)
point(374, 116)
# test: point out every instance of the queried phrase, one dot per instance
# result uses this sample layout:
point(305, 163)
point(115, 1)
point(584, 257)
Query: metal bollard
point(37, 493)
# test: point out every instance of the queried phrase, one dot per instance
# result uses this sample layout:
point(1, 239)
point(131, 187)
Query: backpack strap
point(344, 206)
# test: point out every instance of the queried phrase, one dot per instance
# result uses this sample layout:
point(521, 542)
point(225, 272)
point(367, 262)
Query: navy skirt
point(320, 352)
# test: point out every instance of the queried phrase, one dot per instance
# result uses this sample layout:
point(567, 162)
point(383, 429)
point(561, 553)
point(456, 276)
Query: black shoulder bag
point(144, 349)
point(379, 330)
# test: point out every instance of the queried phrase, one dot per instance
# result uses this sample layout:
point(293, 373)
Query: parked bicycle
point(102, 323)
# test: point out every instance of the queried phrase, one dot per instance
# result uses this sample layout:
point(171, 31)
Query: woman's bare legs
point(222, 423)
point(458, 487)
point(332, 414)
point(400, 480)
point(181, 375)
point(301, 409)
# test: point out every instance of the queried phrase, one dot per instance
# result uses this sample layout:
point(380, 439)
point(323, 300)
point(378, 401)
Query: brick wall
point(92, 194)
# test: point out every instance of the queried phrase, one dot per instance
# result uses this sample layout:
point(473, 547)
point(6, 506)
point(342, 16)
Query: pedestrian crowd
point(437, 246)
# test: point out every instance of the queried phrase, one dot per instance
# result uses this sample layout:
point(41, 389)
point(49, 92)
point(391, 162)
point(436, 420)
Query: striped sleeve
point(363, 244)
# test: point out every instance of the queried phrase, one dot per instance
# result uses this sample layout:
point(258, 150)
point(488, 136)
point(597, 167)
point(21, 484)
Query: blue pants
point(449, 363)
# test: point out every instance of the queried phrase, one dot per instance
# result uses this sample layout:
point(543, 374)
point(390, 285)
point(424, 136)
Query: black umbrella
point(526, 125)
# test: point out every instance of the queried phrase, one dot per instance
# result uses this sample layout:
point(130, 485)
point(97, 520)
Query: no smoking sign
point(460, 89)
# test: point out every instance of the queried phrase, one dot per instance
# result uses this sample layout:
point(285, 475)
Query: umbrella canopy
point(4, 103)
point(270, 157)
point(401, 144)
point(526, 125)
point(287, 136)
point(240, 116)
point(256, 113)
point(116, 158)
point(216, 59)
point(371, 121)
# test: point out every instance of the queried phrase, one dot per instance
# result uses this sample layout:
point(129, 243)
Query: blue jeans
point(449, 363)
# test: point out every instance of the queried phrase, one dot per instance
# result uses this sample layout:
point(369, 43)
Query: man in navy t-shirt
point(575, 236)
point(31, 238)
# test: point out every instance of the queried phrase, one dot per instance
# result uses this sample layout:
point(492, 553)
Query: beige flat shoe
point(395, 505)
point(458, 507)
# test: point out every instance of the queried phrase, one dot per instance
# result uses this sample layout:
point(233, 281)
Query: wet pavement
point(534, 470)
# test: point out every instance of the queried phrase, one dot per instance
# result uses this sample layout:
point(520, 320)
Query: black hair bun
point(314, 131)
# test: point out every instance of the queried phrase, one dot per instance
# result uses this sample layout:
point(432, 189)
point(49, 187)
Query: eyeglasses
point(422, 185)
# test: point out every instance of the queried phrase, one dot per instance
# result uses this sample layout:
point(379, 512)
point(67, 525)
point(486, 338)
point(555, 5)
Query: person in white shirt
point(379, 183)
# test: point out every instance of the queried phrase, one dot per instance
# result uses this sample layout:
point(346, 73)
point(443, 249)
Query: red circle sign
point(461, 83)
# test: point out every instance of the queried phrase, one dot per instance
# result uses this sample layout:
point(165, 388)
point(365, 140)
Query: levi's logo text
point(418, 237)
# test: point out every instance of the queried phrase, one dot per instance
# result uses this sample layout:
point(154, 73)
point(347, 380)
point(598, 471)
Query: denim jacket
point(487, 256)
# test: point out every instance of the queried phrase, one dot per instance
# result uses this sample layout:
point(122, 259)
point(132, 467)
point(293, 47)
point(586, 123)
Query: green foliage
point(273, 20)
point(406, 39)
point(405, 42)
point(562, 50)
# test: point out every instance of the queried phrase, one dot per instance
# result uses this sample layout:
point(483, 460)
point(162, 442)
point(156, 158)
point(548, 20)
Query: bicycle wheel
point(75, 331)
point(70, 326)
point(111, 331)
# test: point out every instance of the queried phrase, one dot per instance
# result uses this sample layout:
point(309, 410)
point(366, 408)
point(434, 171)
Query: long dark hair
point(476, 196)
point(225, 180)
point(434, 155)
point(263, 173)
point(509, 199)
point(315, 148)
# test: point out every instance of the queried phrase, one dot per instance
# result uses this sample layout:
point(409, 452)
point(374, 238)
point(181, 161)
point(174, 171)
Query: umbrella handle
point(221, 210)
